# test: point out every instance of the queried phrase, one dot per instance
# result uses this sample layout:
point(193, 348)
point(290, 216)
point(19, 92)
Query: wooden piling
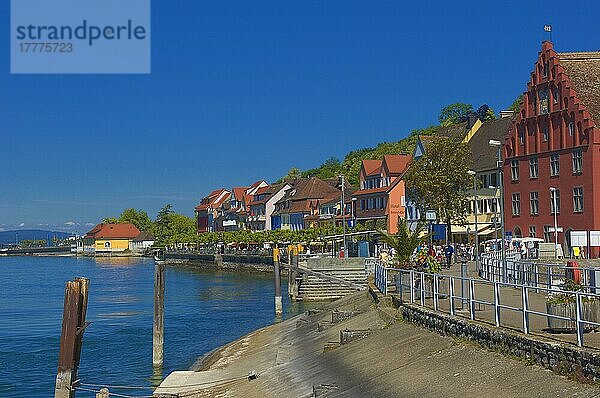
point(278, 302)
point(73, 326)
point(159, 308)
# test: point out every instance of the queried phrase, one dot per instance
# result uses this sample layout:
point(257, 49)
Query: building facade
point(555, 142)
point(381, 196)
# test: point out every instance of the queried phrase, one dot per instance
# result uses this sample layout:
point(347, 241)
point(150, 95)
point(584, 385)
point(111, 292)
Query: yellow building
point(110, 238)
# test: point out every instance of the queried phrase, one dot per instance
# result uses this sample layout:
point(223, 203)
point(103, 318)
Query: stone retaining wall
point(580, 363)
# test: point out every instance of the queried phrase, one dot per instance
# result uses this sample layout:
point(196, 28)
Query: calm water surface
point(204, 309)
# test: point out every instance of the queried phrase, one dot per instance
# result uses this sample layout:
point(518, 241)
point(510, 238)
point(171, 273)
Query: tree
point(139, 218)
point(161, 224)
point(439, 180)
point(110, 220)
point(485, 113)
point(293, 174)
point(516, 105)
point(455, 113)
point(404, 242)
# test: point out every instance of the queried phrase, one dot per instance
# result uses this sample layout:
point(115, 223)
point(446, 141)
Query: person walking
point(449, 251)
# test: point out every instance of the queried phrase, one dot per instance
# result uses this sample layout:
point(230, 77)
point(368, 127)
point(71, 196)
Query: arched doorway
point(517, 232)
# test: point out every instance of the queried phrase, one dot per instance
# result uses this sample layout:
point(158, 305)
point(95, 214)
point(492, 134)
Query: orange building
point(382, 194)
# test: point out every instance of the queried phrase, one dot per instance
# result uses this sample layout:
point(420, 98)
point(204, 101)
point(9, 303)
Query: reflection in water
point(157, 376)
point(204, 309)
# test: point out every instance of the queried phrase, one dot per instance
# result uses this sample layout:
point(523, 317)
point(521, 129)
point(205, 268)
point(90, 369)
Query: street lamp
point(553, 195)
point(498, 144)
point(473, 174)
point(343, 217)
point(353, 212)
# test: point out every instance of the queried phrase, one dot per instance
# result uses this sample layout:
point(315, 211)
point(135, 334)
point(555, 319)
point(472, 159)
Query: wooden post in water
point(71, 338)
point(278, 303)
point(159, 309)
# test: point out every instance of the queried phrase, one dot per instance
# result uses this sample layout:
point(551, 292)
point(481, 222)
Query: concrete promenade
point(302, 357)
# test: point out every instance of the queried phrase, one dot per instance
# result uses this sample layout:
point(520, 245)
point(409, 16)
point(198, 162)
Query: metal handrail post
point(472, 299)
point(497, 303)
point(435, 292)
point(451, 292)
point(412, 286)
point(422, 289)
point(525, 302)
point(579, 324)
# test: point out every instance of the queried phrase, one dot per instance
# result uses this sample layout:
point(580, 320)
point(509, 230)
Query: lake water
point(204, 309)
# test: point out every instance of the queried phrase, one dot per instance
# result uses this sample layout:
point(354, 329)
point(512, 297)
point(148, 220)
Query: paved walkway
point(512, 319)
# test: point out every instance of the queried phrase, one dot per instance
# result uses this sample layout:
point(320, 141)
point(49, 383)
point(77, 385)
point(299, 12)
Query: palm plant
point(404, 242)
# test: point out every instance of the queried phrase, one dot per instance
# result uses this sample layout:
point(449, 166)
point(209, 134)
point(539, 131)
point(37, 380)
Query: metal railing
point(535, 274)
point(433, 290)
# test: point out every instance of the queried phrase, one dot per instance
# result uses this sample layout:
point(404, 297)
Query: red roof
point(262, 190)
point(372, 166)
point(113, 231)
point(257, 183)
point(397, 164)
point(239, 192)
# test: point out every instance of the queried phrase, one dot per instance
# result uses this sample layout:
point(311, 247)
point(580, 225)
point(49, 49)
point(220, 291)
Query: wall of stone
point(580, 363)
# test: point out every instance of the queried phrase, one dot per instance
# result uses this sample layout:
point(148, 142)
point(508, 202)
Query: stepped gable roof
point(113, 231)
point(485, 156)
point(144, 236)
point(372, 166)
point(583, 70)
point(396, 164)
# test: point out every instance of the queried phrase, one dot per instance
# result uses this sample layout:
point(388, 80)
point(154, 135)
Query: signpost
point(431, 217)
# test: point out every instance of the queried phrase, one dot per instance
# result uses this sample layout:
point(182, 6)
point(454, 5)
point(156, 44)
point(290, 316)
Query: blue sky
point(241, 91)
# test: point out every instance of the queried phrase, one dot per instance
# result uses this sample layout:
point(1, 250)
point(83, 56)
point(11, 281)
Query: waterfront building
point(142, 242)
point(485, 165)
point(209, 209)
point(301, 200)
point(109, 238)
point(555, 142)
point(381, 199)
point(262, 206)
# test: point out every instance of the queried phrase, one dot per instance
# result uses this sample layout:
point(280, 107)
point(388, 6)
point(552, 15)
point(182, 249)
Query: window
point(555, 96)
point(534, 203)
point(547, 233)
point(532, 231)
point(571, 128)
point(578, 199)
point(516, 204)
point(552, 195)
point(577, 161)
point(514, 170)
point(545, 134)
point(521, 131)
point(544, 105)
point(554, 164)
point(533, 167)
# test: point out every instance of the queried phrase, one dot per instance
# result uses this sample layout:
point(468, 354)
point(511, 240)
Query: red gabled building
point(555, 142)
point(381, 195)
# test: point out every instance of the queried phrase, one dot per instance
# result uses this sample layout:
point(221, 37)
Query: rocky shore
point(367, 352)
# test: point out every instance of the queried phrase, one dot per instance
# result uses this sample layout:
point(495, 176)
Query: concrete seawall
point(366, 353)
point(224, 261)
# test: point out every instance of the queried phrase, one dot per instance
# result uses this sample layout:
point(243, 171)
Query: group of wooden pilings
point(73, 326)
